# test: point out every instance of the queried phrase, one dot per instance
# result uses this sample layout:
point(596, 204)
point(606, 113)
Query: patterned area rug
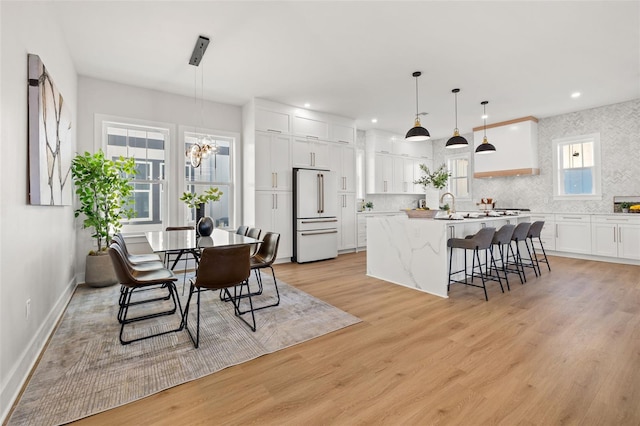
point(85, 369)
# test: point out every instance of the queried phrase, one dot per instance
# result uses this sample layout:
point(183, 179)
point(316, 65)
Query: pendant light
point(203, 147)
point(417, 132)
point(456, 140)
point(485, 147)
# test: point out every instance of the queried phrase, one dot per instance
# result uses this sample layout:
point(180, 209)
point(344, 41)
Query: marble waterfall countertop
point(413, 251)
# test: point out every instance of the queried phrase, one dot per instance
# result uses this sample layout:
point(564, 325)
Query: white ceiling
point(355, 59)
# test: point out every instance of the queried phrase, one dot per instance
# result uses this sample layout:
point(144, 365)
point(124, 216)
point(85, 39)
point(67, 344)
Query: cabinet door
point(265, 203)
point(340, 133)
point(604, 237)
point(348, 169)
point(629, 241)
point(574, 237)
point(302, 153)
point(282, 223)
point(399, 186)
point(335, 164)
point(383, 173)
point(310, 128)
point(272, 121)
point(320, 152)
point(347, 221)
point(362, 230)
point(273, 162)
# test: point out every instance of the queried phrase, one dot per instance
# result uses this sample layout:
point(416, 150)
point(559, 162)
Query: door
point(315, 192)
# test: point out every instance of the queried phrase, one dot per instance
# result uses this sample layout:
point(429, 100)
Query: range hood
point(516, 143)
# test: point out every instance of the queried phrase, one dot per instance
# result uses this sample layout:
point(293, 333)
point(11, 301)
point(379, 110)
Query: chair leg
point(275, 284)
point(493, 262)
point(504, 265)
point(484, 286)
point(544, 253)
point(237, 300)
point(531, 258)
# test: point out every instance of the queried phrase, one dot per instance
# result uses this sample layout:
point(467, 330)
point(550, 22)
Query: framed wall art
point(50, 139)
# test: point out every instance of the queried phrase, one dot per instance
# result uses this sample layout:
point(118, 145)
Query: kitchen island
point(413, 251)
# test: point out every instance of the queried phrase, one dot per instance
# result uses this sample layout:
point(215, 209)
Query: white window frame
point(465, 156)
point(234, 172)
point(148, 191)
point(102, 121)
point(557, 169)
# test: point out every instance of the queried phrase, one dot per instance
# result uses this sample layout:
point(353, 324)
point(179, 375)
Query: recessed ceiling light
point(575, 95)
point(484, 116)
point(374, 120)
point(307, 105)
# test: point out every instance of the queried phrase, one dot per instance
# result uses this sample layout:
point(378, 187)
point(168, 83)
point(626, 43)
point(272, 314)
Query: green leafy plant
point(369, 204)
point(437, 179)
point(625, 205)
point(104, 191)
point(193, 199)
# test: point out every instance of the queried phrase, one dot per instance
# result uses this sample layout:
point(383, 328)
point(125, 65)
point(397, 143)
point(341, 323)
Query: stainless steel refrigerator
point(315, 222)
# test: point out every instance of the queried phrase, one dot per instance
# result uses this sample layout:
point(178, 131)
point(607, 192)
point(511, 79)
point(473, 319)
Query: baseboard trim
point(17, 378)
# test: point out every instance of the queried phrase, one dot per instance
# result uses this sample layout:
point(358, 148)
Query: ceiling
point(356, 58)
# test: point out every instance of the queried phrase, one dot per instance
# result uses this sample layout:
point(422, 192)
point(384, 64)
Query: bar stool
point(520, 234)
point(502, 240)
point(480, 241)
point(534, 232)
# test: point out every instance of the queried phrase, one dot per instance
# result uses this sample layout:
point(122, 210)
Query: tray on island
point(427, 214)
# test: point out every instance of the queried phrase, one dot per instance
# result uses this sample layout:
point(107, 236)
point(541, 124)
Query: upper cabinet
point(516, 154)
point(310, 128)
point(272, 121)
point(341, 133)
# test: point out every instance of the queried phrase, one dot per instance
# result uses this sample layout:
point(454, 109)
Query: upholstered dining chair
point(134, 259)
point(242, 230)
point(534, 232)
point(264, 258)
point(255, 234)
point(133, 280)
point(222, 268)
point(520, 235)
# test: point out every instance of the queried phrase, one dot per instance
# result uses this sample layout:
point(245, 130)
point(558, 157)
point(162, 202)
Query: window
point(216, 170)
point(458, 183)
point(147, 146)
point(577, 167)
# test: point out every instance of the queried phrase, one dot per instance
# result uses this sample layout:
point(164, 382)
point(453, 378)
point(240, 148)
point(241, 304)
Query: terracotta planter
point(98, 271)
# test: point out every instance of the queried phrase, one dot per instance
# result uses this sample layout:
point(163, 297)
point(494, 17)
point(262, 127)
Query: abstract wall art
point(50, 139)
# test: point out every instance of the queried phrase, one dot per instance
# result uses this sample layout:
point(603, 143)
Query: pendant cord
point(417, 109)
point(456, 102)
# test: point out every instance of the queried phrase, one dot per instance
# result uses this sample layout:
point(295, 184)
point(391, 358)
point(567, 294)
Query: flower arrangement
point(193, 199)
point(437, 179)
point(635, 208)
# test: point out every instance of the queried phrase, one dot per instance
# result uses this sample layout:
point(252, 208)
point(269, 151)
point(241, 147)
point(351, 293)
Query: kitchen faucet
point(453, 201)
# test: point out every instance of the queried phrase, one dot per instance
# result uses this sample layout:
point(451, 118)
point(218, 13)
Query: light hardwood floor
point(561, 349)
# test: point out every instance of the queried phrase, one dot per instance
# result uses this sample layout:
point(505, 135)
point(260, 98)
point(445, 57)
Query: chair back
point(222, 267)
point(121, 265)
point(254, 233)
point(521, 231)
point(179, 228)
point(242, 230)
point(504, 234)
point(535, 229)
point(268, 250)
point(483, 237)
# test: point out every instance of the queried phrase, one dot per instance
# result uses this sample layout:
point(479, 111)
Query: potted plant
point(368, 205)
point(104, 191)
point(625, 206)
point(193, 200)
point(436, 179)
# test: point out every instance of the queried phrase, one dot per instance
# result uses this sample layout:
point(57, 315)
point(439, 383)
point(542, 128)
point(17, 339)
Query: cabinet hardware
point(619, 235)
point(274, 131)
point(314, 158)
point(320, 221)
point(340, 140)
point(273, 181)
point(572, 218)
point(614, 234)
point(556, 230)
point(319, 233)
point(312, 137)
point(273, 201)
point(276, 174)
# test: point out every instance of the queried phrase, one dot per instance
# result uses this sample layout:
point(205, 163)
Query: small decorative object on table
point(624, 206)
point(193, 200)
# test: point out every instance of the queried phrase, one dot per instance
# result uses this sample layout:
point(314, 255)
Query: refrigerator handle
point(322, 192)
point(318, 193)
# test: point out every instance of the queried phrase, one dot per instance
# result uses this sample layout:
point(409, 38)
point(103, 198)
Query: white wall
point(618, 125)
point(113, 99)
point(37, 244)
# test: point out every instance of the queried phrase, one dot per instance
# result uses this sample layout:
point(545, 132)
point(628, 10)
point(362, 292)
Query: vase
point(200, 212)
point(205, 226)
point(99, 271)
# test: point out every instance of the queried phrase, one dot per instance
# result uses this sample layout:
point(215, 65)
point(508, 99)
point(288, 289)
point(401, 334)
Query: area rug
point(85, 369)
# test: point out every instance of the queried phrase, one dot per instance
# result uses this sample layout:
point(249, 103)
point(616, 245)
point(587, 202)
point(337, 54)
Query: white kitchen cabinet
point(272, 121)
point(342, 134)
point(383, 174)
point(342, 160)
point(346, 221)
point(274, 214)
point(573, 233)
point(548, 233)
point(273, 161)
point(516, 143)
point(615, 236)
point(310, 128)
point(310, 153)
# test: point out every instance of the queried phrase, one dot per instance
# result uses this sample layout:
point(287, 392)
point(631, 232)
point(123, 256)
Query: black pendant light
point(456, 140)
point(485, 147)
point(417, 132)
